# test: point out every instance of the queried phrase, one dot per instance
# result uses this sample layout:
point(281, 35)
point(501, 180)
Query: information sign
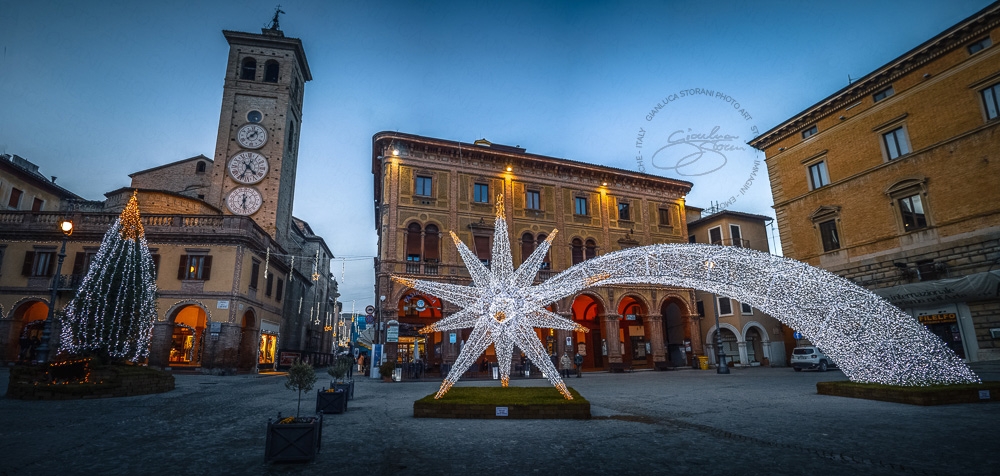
point(451, 338)
point(797, 335)
point(501, 411)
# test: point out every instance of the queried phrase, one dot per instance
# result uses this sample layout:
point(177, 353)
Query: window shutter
point(78, 262)
point(207, 274)
point(29, 259)
point(182, 269)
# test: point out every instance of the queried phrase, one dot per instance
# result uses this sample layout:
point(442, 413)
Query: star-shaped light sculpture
point(500, 308)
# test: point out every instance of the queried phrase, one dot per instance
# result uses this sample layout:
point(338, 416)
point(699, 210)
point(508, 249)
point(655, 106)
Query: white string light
point(870, 339)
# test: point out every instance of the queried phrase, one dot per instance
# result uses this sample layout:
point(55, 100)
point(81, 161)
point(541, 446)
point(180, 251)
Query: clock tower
point(257, 147)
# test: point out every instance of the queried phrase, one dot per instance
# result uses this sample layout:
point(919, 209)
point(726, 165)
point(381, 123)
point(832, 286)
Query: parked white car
point(811, 358)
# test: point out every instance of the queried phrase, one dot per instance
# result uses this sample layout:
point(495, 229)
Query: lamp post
point(720, 366)
point(66, 226)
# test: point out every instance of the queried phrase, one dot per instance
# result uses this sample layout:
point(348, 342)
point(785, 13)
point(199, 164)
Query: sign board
point(376, 360)
point(501, 411)
point(369, 319)
point(451, 337)
point(797, 335)
point(629, 317)
point(392, 334)
point(936, 318)
point(569, 342)
point(222, 304)
point(215, 327)
point(636, 331)
point(357, 352)
point(288, 358)
point(984, 394)
point(369, 309)
point(421, 305)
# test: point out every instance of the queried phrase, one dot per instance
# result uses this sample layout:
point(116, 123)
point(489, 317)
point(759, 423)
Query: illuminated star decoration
point(500, 307)
point(870, 339)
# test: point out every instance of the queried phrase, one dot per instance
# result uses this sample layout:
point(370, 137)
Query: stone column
point(611, 336)
point(561, 336)
point(765, 346)
point(654, 327)
point(159, 344)
point(743, 353)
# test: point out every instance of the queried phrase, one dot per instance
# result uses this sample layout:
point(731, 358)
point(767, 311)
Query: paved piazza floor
point(755, 421)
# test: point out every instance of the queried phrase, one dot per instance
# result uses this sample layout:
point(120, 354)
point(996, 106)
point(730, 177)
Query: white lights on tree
point(870, 339)
point(115, 306)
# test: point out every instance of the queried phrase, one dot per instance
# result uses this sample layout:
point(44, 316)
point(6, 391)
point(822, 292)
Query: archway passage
point(675, 334)
point(26, 330)
point(187, 339)
point(869, 338)
point(246, 353)
point(587, 312)
point(633, 333)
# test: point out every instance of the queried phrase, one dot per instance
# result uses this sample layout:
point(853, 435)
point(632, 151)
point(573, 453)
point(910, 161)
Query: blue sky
point(93, 91)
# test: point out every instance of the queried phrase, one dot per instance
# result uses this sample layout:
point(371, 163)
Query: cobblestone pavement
point(754, 421)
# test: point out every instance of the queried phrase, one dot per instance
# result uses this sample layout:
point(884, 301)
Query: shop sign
point(935, 318)
point(630, 317)
point(288, 358)
point(392, 334)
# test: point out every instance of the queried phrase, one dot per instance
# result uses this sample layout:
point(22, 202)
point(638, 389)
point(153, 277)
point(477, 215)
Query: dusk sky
point(93, 91)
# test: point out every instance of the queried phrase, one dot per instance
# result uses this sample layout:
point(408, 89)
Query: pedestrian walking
point(578, 360)
point(565, 364)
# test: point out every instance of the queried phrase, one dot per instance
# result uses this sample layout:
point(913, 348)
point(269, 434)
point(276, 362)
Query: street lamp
point(66, 226)
point(720, 366)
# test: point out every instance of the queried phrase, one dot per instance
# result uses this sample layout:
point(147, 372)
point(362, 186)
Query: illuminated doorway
point(32, 316)
point(186, 341)
point(633, 335)
point(587, 312)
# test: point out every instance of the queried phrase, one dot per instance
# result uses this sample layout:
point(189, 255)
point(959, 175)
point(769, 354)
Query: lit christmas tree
point(113, 312)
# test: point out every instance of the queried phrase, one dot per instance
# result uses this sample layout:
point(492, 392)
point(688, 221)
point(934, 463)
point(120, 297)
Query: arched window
point(200, 168)
point(432, 253)
point(577, 251)
point(527, 246)
point(413, 243)
point(271, 71)
point(591, 249)
point(249, 70)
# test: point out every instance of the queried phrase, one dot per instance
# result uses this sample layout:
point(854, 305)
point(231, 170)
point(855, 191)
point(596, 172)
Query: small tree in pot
point(295, 438)
point(386, 370)
point(339, 371)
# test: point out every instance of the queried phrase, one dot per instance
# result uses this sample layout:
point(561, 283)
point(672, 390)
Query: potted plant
point(386, 370)
point(295, 438)
point(339, 371)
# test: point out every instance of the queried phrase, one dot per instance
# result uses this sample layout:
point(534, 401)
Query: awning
point(974, 287)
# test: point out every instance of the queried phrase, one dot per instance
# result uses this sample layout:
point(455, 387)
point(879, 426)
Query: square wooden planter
point(348, 386)
point(331, 402)
point(293, 442)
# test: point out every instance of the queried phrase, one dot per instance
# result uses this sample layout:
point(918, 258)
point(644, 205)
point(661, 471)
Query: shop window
point(423, 186)
point(532, 200)
point(828, 233)
point(271, 71)
point(818, 176)
point(254, 274)
point(481, 193)
point(577, 253)
point(581, 206)
point(38, 264)
point(248, 70)
point(725, 306)
point(991, 101)
point(195, 267)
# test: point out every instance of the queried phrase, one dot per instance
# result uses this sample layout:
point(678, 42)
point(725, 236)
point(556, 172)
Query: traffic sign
point(797, 335)
point(369, 309)
point(369, 319)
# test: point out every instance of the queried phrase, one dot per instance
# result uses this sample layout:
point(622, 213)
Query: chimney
point(53, 179)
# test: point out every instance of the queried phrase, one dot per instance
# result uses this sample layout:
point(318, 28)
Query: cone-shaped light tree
point(113, 312)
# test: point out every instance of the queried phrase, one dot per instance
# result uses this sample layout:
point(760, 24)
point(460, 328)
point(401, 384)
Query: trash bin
point(703, 363)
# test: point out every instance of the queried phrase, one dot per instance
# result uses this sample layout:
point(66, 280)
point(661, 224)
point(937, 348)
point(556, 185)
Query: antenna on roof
point(849, 80)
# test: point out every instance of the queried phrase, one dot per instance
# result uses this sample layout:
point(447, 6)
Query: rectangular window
point(38, 264)
point(665, 217)
point(532, 200)
point(736, 235)
point(818, 176)
point(481, 193)
point(36, 205)
point(15, 198)
point(268, 284)
point(883, 94)
point(692, 239)
point(581, 206)
point(483, 251)
point(991, 100)
point(423, 186)
point(828, 231)
point(254, 274)
point(623, 212)
point(195, 267)
point(809, 132)
point(912, 211)
point(725, 306)
point(895, 143)
point(278, 292)
point(715, 235)
point(746, 309)
point(980, 45)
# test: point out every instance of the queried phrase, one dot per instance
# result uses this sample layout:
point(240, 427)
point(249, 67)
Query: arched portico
point(22, 330)
point(756, 344)
point(246, 356)
point(587, 310)
point(731, 339)
point(178, 339)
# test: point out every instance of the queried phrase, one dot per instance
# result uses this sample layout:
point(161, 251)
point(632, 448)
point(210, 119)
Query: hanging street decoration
point(871, 340)
point(115, 306)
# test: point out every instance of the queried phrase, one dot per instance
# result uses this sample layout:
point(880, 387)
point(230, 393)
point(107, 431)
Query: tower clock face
point(252, 136)
point(248, 167)
point(244, 201)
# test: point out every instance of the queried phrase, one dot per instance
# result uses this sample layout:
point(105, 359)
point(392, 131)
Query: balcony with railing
point(733, 242)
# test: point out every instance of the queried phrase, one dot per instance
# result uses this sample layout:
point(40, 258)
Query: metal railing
point(733, 242)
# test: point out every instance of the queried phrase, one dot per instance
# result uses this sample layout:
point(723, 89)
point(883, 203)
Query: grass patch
point(505, 396)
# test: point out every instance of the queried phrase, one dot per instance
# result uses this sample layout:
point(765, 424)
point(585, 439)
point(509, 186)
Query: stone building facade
point(891, 182)
point(749, 337)
point(426, 187)
point(240, 288)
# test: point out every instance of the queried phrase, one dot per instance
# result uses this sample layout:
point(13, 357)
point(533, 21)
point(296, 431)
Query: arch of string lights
point(870, 339)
